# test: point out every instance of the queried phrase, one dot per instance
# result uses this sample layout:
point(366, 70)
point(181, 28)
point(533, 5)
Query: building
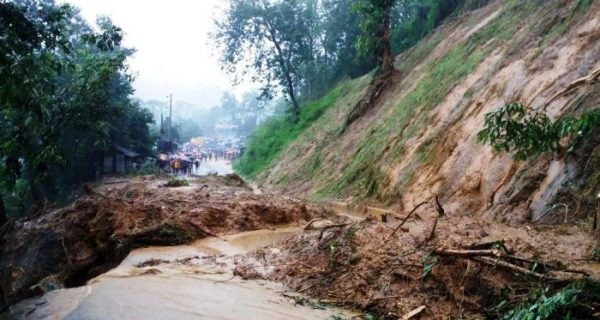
point(119, 160)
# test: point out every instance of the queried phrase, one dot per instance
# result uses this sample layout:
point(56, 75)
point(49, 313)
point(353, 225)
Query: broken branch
point(406, 218)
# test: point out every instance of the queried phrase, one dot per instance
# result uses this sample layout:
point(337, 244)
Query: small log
point(469, 253)
point(413, 313)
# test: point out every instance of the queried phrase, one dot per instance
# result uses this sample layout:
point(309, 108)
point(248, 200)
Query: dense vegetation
point(64, 100)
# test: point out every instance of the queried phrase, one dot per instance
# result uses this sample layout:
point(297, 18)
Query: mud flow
point(137, 249)
point(180, 282)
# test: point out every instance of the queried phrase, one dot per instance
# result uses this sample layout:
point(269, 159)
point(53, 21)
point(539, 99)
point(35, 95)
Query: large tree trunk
point(387, 59)
point(291, 93)
point(286, 68)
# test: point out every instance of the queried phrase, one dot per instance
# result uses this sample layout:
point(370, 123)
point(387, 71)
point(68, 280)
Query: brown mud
point(67, 247)
point(433, 262)
point(368, 266)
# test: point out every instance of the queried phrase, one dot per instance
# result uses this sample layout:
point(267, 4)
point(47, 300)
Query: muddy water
point(178, 290)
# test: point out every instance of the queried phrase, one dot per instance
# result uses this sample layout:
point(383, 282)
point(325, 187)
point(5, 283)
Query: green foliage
point(543, 305)
point(416, 18)
point(304, 47)
point(375, 25)
point(274, 135)
point(531, 133)
point(429, 262)
point(63, 101)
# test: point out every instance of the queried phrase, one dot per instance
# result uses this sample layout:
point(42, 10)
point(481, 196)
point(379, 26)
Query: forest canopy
point(65, 98)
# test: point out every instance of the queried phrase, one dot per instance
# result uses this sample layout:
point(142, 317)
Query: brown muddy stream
point(203, 287)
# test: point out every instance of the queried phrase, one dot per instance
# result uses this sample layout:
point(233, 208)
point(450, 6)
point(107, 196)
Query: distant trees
point(64, 98)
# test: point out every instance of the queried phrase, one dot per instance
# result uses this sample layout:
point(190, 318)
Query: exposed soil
point(67, 247)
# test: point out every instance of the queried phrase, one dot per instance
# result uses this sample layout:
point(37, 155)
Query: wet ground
point(224, 252)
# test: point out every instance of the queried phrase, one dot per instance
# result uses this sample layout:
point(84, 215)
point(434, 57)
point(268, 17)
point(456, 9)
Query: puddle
point(178, 291)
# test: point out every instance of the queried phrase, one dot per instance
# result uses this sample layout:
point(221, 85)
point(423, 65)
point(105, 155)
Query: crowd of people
point(188, 163)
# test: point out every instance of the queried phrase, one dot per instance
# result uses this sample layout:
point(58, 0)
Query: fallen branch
point(435, 222)
point(469, 253)
point(512, 267)
point(438, 206)
point(208, 232)
point(406, 218)
point(308, 225)
point(492, 244)
point(117, 182)
point(178, 200)
point(587, 80)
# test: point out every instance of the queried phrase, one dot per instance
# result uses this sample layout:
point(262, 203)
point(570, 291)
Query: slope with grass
point(420, 139)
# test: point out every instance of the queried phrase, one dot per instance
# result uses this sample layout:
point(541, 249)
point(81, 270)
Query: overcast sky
point(174, 53)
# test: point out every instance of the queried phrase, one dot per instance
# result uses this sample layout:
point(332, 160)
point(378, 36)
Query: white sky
point(174, 52)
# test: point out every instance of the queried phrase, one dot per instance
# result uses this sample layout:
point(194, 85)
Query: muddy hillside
point(66, 247)
point(420, 138)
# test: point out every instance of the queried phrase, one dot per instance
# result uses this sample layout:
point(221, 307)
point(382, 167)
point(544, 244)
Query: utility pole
point(170, 115)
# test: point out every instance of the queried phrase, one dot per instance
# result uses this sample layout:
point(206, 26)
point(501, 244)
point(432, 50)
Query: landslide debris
point(67, 247)
point(456, 266)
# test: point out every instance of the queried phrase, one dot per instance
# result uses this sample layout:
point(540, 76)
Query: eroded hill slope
point(421, 138)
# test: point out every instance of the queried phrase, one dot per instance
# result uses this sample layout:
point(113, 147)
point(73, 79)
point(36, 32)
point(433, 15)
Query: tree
point(268, 39)
point(376, 28)
point(341, 31)
point(63, 101)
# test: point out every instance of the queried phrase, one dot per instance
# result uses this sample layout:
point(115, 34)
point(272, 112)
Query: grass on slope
point(275, 134)
point(366, 173)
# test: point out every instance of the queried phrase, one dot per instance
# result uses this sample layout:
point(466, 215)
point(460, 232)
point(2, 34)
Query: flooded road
point(203, 287)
